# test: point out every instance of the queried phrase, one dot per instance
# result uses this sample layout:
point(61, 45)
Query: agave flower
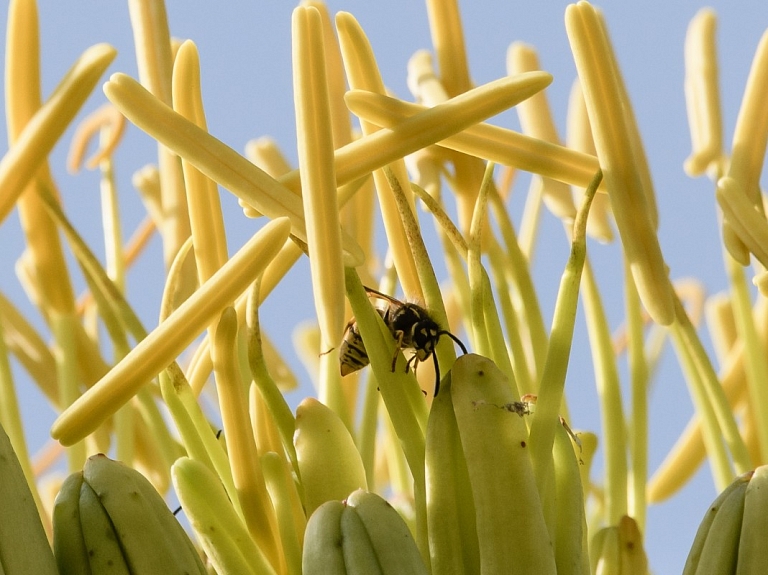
point(484, 475)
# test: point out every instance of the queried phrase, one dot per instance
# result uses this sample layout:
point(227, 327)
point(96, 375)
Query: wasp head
point(415, 329)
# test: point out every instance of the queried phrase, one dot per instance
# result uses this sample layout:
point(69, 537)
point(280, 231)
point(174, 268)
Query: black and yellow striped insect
point(411, 327)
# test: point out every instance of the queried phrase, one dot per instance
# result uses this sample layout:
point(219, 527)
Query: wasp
point(412, 328)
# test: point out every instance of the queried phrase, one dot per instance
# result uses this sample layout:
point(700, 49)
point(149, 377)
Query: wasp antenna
point(456, 339)
point(437, 373)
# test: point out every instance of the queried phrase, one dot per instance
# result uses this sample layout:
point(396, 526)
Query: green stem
point(552, 385)
point(755, 364)
point(609, 393)
point(712, 392)
point(281, 412)
point(63, 329)
point(399, 391)
point(639, 379)
point(526, 300)
point(426, 273)
point(710, 429)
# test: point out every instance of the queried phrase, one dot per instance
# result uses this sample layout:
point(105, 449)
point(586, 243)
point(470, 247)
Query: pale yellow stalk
point(263, 377)
point(579, 137)
point(751, 132)
point(212, 157)
point(110, 210)
point(194, 429)
point(467, 170)
point(33, 130)
point(755, 365)
point(263, 426)
point(205, 218)
point(290, 515)
point(367, 431)
point(488, 335)
point(637, 426)
point(125, 426)
point(525, 300)
point(742, 217)
point(454, 78)
point(491, 143)
point(718, 313)
point(162, 345)
point(710, 401)
point(266, 154)
point(29, 349)
point(363, 73)
point(152, 39)
point(517, 334)
point(45, 127)
point(702, 95)
point(106, 120)
point(618, 149)
point(318, 184)
point(608, 384)
point(448, 41)
point(154, 59)
point(67, 378)
point(244, 460)
point(536, 121)
point(336, 82)
point(147, 182)
point(576, 274)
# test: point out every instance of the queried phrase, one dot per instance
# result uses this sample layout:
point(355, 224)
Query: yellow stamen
point(703, 95)
point(363, 73)
point(536, 120)
point(318, 180)
point(105, 117)
point(579, 137)
point(206, 221)
point(212, 157)
point(161, 346)
point(618, 151)
point(491, 143)
point(744, 218)
point(43, 130)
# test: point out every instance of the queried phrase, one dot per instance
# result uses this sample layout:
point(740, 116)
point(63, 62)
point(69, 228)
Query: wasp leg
point(414, 359)
point(398, 346)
